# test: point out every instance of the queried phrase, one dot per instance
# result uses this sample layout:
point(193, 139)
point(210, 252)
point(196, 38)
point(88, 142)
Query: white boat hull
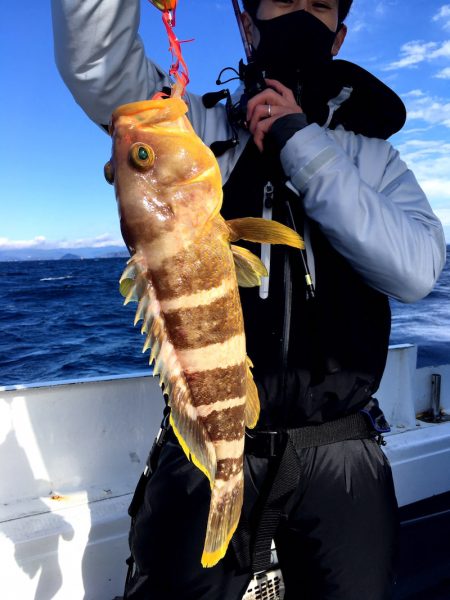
point(72, 454)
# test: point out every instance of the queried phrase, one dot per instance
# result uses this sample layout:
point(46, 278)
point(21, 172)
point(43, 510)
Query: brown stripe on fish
point(206, 324)
point(228, 467)
point(227, 424)
point(192, 270)
point(204, 384)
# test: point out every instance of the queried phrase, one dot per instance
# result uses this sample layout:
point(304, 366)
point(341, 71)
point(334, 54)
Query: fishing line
point(178, 69)
point(310, 290)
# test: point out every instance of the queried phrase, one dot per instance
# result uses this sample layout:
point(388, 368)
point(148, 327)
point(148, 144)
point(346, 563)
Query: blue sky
point(53, 193)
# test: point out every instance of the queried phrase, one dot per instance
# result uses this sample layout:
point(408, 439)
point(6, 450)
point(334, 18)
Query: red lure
point(178, 69)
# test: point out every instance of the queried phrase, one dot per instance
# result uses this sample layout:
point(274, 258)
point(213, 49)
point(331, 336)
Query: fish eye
point(108, 172)
point(142, 156)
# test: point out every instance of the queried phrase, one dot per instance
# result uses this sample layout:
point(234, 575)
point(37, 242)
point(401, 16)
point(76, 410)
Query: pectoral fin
point(263, 231)
point(252, 407)
point(249, 268)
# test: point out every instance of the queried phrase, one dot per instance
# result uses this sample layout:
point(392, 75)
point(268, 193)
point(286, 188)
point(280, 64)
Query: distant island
point(24, 254)
point(70, 257)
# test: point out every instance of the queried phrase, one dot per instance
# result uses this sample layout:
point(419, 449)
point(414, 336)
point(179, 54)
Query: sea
point(65, 320)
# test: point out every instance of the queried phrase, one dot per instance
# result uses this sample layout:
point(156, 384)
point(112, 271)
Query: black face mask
point(293, 46)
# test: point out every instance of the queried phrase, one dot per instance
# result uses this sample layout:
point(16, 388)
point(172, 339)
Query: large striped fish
point(182, 274)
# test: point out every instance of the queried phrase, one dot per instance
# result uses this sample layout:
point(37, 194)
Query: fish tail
point(224, 513)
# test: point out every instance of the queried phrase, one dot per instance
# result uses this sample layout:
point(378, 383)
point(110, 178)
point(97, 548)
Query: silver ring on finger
point(269, 111)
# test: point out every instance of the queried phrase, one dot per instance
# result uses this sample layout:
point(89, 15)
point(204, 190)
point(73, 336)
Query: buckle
point(375, 418)
point(265, 444)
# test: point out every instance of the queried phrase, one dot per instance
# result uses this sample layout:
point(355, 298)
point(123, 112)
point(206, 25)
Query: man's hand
point(266, 107)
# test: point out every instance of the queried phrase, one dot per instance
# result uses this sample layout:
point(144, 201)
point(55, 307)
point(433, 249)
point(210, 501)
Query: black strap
point(284, 484)
point(351, 427)
point(285, 480)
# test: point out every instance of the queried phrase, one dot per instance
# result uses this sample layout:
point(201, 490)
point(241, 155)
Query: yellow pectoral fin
point(252, 407)
point(128, 281)
point(263, 231)
point(126, 285)
point(249, 268)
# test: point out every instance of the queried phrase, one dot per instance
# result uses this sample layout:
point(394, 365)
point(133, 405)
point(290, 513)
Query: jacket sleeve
point(102, 60)
point(370, 207)
point(100, 55)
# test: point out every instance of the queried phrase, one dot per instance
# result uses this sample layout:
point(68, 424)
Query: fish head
point(165, 178)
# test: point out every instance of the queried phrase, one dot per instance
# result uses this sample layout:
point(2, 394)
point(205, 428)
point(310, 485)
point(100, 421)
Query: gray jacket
point(363, 196)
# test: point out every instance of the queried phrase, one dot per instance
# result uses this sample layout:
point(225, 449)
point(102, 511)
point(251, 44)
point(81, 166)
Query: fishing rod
point(245, 40)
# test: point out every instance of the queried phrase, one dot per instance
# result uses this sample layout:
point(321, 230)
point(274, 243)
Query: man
point(319, 343)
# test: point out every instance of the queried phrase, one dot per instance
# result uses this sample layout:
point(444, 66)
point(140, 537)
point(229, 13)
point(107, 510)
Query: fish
point(184, 273)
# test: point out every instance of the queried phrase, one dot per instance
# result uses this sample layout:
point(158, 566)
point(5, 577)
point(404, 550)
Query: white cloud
point(40, 242)
point(444, 74)
point(101, 241)
point(363, 14)
point(431, 109)
point(359, 25)
point(380, 9)
point(37, 242)
point(222, 6)
point(416, 52)
point(414, 130)
point(414, 94)
point(444, 216)
point(437, 190)
point(430, 162)
point(443, 15)
point(441, 52)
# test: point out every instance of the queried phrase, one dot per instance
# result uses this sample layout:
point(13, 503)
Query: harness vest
point(317, 359)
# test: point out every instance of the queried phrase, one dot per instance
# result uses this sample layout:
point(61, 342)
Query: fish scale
point(184, 274)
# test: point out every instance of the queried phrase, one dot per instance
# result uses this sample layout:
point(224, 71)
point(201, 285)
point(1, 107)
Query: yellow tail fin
point(223, 519)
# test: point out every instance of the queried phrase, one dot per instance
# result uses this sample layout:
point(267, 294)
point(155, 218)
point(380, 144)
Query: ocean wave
point(69, 329)
point(56, 278)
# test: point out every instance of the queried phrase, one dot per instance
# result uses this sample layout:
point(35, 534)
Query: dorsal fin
point(136, 285)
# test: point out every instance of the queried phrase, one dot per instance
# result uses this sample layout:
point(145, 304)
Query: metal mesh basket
point(268, 586)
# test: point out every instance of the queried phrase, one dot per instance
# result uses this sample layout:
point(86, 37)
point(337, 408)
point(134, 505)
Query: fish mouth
point(149, 112)
point(203, 175)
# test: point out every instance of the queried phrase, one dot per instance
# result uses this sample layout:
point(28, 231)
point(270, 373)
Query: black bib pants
point(337, 540)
